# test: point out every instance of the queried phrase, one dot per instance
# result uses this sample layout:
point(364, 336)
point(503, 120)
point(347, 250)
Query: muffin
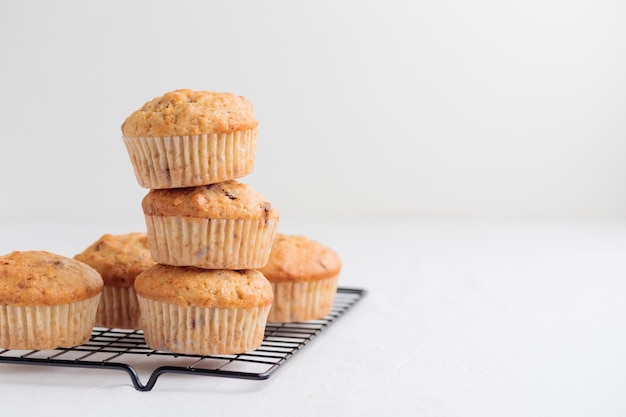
point(46, 300)
point(118, 259)
point(203, 312)
point(219, 226)
point(188, 138)
point(304, 276)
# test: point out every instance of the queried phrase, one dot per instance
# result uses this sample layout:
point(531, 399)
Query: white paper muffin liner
point(210, 243)
point(302, 301)
point(202, 331)
point(47, 327)
point(189, 161)
point(118, 308)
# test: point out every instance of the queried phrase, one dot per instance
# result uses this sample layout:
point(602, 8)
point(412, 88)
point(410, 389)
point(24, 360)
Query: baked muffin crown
point(298, 258)
point(211, 288)
point(186, 112)
point(41, 278)
point(118, 258)
point(225, 200)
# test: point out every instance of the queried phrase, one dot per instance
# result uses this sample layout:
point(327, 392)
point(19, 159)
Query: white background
point(454, 109)
point(464, 158)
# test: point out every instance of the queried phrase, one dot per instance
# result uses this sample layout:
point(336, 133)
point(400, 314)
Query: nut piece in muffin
point(203, 312)
point(118, 259)
point(219, 226)
point(304, 275)
point(187, 138)
point(46, 300)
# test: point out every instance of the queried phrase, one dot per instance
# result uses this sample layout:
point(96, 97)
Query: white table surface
point(460, 319)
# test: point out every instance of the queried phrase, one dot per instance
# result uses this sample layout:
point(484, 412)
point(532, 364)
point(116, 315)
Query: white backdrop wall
point(394, 109)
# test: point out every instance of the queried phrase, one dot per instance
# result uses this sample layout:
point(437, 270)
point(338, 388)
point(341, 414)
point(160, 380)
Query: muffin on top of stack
point(208, 233)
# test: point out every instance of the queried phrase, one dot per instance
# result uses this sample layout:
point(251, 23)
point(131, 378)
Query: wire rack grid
point(126, 350)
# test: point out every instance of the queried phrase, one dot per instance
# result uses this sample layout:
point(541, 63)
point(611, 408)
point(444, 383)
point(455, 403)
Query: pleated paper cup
point(118, 308)
point(302, 301)
point(201, 330)
point(189, 161)
point(210, 243)
point(47, 327)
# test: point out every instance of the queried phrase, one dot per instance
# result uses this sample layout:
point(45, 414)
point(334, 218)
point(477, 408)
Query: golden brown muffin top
point(40, 278)
point(225, 200)
point(210, 288)
point(119, 258)
point(186, 112)
point(298, 258)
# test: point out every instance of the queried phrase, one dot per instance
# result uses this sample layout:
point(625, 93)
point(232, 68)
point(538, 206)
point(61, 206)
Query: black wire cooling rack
point(126, 350)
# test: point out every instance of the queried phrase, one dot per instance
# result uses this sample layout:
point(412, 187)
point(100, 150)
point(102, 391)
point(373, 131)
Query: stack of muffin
point(211, 266)
point(207, 232)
